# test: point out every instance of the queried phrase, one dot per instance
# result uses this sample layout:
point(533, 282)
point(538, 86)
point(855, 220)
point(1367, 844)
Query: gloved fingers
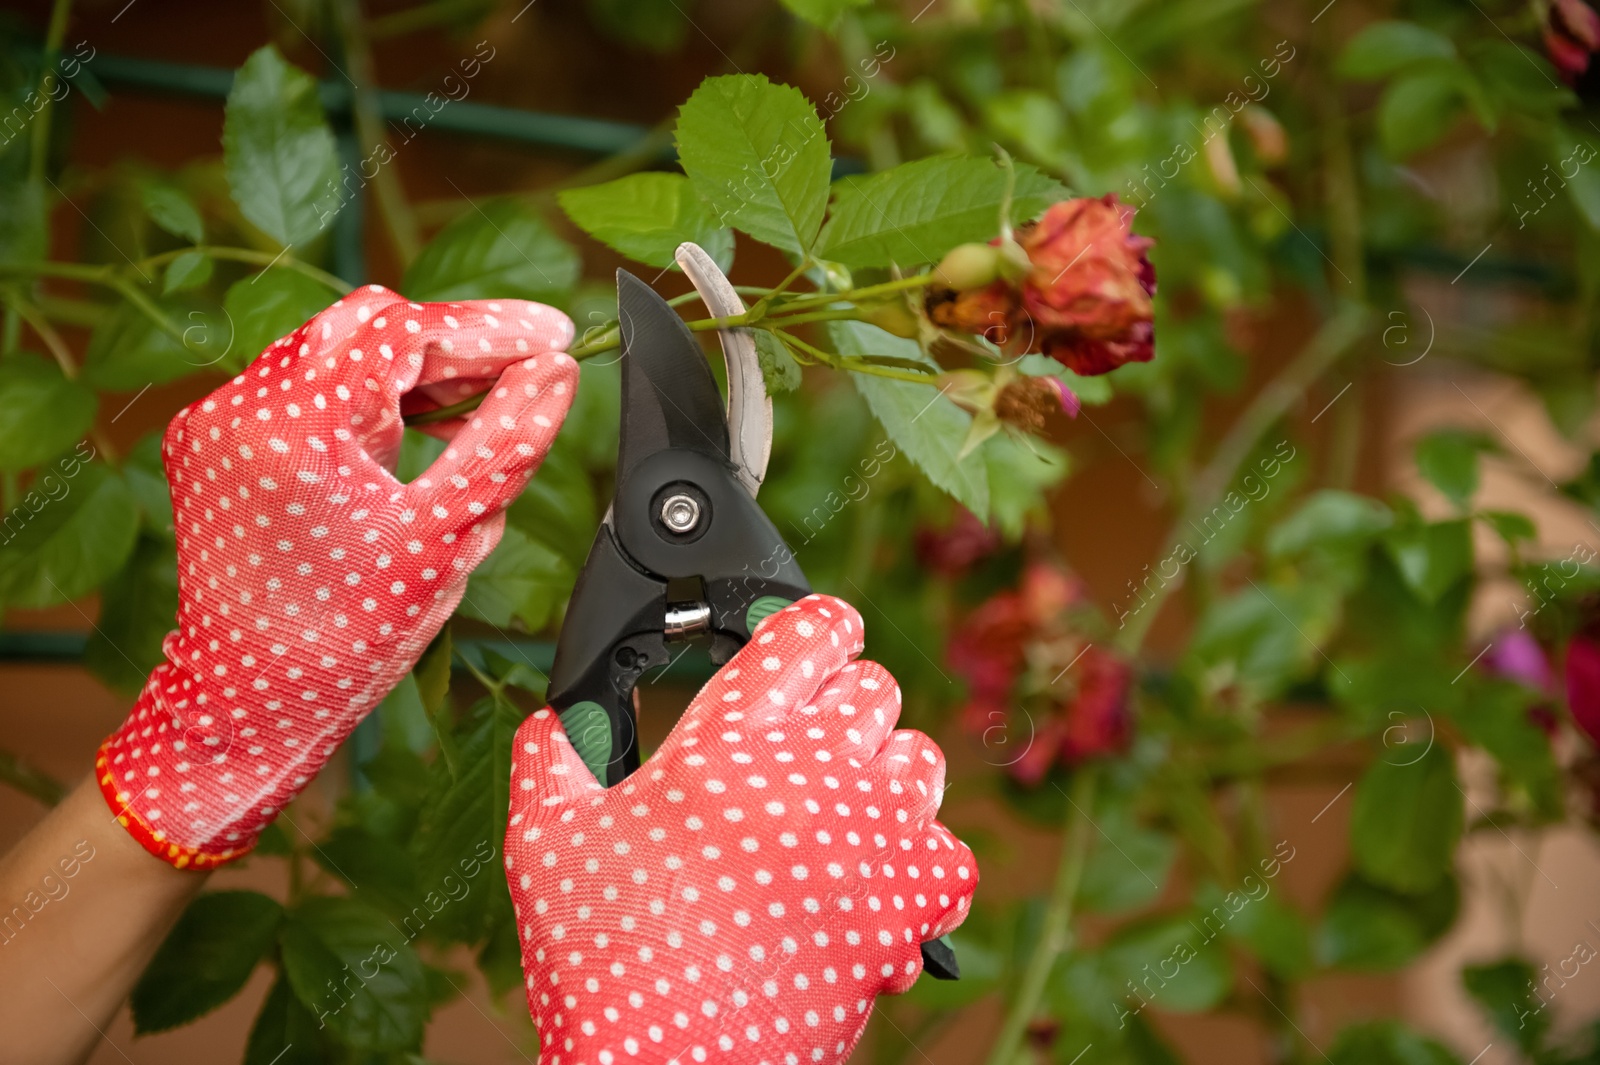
point(952, 876)
point(912, 767)
point(547, 775)
point(363, 354)
point(490, 460)
point(480, 338)
point(789, 657)
point(930, 887)
point(851, 717)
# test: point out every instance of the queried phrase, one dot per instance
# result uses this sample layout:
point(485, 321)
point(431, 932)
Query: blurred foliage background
point(1134, 618)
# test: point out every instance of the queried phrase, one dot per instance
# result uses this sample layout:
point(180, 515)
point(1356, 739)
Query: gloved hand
point(749, 892)
point(309, 579)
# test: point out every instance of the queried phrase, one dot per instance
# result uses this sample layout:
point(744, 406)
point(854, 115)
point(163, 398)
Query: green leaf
point(558, 508)
point(1506, 990)
point(129, 351)
point(917, 211)
point(823, 13)
point(1127, 866)
point(646, 216)
point(25, 223)
point(1385, 47)
point(1177, 966)
point(922, 422)
point(1417, 110)
point(206, 958)
point(1367, 928)
point(522, 579)
point(171, 208)
point(270, 305)
point(1511, 526)
point(757, 153)
point(147, 480)
point(464, 822)
point(1020, 470)
point(501, 249)
point(1448, 458)
point(379, 870)
point(1329, 519)
point(500, 960)
point(285, 1032)
point(1495, 716)
point(278, 153)
point(41, 412)
point(1431, 557)
point(73, 529)
point(189, 270)
point(1387, 1043)
point(138, 607)
point(1265, 635)
point(327, 941)
point(1407, 821)
point(779, 371)
point(1274, 931)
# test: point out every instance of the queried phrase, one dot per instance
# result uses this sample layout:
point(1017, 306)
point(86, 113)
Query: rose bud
point(1583, 684)
point(896, 318)
point(968, 266)
point(1266, 134)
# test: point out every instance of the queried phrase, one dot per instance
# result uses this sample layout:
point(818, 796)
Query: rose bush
point(951, 333)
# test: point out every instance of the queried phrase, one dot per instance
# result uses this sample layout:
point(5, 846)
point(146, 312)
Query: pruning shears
point(684, 552)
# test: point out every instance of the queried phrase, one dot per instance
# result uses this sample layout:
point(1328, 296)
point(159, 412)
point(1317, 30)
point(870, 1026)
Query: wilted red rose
point(988, 649)
point(1583, 683)
point(1089, 292)
point(1098, 719)
point(1571, 37)
point(1047, 590)
point(1076, 285)
point(953, 550)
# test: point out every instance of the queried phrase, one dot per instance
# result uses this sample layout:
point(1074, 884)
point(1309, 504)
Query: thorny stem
point(1055, 934)
point(609, 337)
point(1331, 342)
point(39, 144)
point(255, 258)
point(47, 333)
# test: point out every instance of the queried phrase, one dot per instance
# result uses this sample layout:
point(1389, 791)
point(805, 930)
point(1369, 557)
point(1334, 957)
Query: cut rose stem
point(1055, 934)
point(795, 311)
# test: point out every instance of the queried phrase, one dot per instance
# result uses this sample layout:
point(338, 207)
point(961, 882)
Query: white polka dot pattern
point(746, 895)
point(310, 579)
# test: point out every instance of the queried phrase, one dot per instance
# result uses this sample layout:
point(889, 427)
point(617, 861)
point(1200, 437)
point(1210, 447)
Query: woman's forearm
point(82, 909)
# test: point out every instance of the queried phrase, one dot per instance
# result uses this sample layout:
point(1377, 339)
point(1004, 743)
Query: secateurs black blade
point(684, 551)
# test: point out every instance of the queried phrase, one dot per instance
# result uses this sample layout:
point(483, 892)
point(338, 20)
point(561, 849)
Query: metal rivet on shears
point(680, 513)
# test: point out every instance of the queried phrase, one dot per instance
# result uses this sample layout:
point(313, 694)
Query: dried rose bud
point(1089, 294)
point(1027, 402)
point(968, 266)
point(1571, 37)
point(991, 311)
point(1266, 134)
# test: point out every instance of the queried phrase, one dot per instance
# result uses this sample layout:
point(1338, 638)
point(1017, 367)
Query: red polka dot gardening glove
point(310, 580)
point(747, 893)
